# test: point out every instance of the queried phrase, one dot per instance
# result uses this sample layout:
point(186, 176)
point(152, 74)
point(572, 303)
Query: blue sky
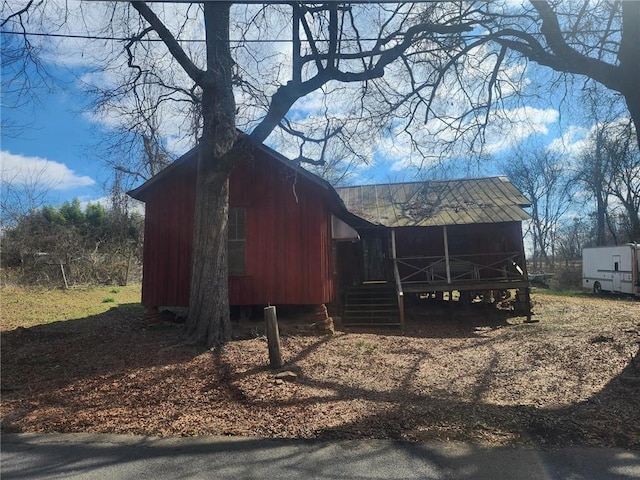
point(52, 140)
point(58, 138)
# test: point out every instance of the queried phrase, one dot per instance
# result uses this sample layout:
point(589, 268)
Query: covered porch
point(459, 239)
point(459, 257)
point(479, 263)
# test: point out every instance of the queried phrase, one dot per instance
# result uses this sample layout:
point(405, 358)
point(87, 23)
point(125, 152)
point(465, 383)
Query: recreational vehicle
point(612, 269)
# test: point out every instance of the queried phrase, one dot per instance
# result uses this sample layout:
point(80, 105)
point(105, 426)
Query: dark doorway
point(374, 258)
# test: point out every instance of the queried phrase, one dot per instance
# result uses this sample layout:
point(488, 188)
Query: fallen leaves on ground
point(472, 376)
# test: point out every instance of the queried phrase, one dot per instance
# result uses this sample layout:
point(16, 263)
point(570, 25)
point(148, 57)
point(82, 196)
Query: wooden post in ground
point(64, 276)
point(128, 269)
point(273, 337)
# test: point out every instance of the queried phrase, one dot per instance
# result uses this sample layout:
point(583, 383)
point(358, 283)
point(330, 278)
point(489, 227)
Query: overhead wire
point(193, 40)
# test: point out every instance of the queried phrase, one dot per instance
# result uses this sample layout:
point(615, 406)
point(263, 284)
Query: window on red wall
point(237, 241)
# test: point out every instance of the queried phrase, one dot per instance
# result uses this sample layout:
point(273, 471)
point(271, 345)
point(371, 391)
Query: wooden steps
point(371, 305)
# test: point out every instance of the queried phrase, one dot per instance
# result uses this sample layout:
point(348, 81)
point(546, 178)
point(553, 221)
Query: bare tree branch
point(196, 74)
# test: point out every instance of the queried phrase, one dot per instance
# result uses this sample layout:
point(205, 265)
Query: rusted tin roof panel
point(432, 203)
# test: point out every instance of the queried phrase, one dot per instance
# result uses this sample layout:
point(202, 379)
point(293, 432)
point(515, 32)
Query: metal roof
point(436, 203)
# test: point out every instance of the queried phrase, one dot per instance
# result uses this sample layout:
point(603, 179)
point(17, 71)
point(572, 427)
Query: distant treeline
point(66, 245)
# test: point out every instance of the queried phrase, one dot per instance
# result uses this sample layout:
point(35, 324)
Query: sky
point(56, 140)
point(52, 141)
point(57, 137)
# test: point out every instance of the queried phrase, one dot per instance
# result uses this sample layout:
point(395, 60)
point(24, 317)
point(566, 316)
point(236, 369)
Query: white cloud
point(40, 172)
point(576, 139)
point(434, 142)
point(508, 128)
point(268, 65)
point(571, 142)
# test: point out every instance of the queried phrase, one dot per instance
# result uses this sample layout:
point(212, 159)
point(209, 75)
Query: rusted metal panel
point(437, 203)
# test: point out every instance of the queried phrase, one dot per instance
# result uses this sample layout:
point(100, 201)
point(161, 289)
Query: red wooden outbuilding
point(295, 240)
point(280, 233)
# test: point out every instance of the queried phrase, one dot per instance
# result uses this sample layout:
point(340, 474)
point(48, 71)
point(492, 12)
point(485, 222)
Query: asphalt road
point(107, 457)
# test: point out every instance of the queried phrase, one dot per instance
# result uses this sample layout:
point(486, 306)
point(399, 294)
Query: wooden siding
point(288, 237)
point(168, 238)
point(288, 247)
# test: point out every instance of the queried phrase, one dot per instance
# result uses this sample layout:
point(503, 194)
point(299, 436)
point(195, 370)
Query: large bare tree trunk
point(208, 319)
point(633, 103)
point(628, 57)
point(601, 219)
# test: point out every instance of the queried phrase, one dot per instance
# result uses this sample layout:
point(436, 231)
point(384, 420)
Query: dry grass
point(27, 307)
point(471, 376)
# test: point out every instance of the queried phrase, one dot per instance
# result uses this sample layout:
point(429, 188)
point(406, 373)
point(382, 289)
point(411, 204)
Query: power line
point(192, 40)
point(124, 39)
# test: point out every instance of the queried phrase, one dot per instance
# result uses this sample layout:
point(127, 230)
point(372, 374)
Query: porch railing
point(461, 268)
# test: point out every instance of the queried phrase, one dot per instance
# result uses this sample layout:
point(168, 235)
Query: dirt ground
point(573, 378)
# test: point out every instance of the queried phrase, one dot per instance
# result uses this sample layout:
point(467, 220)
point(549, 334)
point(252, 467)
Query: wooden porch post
point(446, 254)
point(525, 275)
point(393, 244)
point(396, 276)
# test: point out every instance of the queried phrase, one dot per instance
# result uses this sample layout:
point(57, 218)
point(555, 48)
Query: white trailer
point(612, 269)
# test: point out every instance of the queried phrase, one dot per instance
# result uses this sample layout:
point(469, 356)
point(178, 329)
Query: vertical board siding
point(167, 245)
point(288, 230)
point(288, 237)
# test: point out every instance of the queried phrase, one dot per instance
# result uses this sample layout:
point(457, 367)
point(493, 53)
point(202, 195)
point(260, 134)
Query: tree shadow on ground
point(98, 364)
point(52, 356)
point(608, 418)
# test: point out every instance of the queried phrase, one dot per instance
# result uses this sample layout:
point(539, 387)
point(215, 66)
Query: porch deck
point(478, 273)
point(478, 285)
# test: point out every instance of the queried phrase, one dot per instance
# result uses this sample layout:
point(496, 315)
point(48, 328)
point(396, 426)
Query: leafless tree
point(593, 172)
point(541, 175)
point(22, 192)
point(448, 54)
point(24, 72)
point(333, 52)
point(136, 151)
point(625, 185)
point(594, 39)
point(572, 237)
point(609, 168)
